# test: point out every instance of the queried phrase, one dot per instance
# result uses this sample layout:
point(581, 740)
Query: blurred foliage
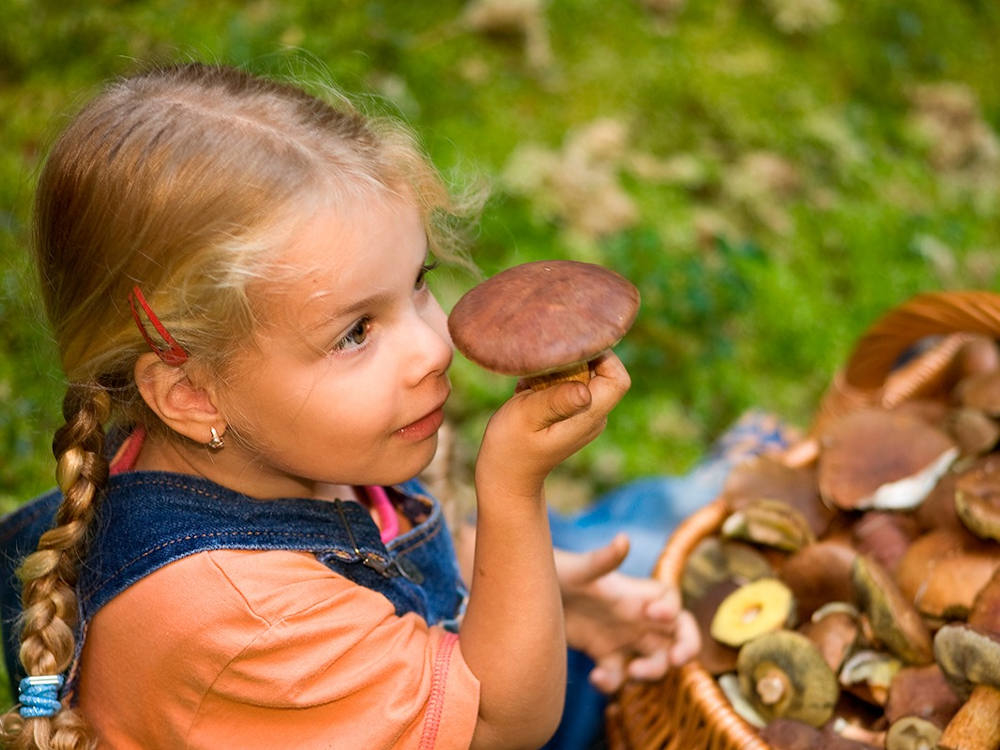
point(782, 173)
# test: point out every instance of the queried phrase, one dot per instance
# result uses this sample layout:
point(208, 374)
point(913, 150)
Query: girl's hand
point(631, 627)
point(536, 430)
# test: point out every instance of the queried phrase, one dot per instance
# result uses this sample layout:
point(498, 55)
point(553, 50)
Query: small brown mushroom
point(977, 498)
point(873, 458)
point(973, 431)
point(937, 511)
point(894, 620)
point(966, 564)
point(884, 536)
point(868, 675)
point(922, 692)
point(544, 321)
point(912, 733)
point(980, 391)
point(784, 675)
point(835, 632)
point(767, 477)
point(969, 655)
point(970, 659)
point(818, 573)
point(715, 656)
point(789, 734)
point(978, 354)
point(714, 560)
point(773, 523)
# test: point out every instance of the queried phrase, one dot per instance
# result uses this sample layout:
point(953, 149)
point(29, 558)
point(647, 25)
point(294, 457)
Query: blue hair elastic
point(39, 695)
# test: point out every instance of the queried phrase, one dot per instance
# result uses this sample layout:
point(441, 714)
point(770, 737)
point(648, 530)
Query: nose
point(429, 342)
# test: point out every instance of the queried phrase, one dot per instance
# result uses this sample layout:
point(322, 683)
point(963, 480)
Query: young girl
point(236, 556)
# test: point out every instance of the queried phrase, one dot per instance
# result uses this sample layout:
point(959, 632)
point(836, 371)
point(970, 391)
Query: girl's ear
point(184, 407)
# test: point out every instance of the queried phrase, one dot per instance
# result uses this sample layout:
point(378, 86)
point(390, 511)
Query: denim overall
point(149, 519)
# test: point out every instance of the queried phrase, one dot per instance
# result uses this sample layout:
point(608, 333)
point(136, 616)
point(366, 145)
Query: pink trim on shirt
point(388, 520)
point(435, 702)
point(128, 452)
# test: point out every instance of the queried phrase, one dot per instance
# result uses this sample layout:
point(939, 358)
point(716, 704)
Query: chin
point(409, 467)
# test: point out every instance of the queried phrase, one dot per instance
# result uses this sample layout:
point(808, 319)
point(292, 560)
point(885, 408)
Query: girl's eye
point(422, 276)
point(356, 337)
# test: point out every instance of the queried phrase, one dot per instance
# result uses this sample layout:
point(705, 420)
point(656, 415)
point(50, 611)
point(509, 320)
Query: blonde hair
point(179, 180)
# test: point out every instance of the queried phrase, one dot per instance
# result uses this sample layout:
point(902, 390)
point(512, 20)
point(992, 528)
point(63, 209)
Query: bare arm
point(512, 636)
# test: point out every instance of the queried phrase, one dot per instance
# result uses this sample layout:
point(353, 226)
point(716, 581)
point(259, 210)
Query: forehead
point(338, 254)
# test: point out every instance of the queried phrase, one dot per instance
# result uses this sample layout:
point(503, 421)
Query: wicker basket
point(687, 710)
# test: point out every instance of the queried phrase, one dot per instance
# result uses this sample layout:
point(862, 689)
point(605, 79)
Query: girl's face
point(348, 377)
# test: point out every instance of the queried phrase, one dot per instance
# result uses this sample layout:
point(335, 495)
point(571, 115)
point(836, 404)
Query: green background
point(788, 170)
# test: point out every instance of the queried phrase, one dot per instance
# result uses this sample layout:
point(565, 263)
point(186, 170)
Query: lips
point(426, 426)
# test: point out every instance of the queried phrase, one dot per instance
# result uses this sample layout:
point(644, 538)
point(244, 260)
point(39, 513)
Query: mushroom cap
point(968, 657)
point(873, 458)
point(895, 621)
point(809, 688)
point(977, 497)
point(540, 317)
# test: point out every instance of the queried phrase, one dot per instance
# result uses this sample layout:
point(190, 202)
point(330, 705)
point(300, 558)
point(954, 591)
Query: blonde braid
point(49, 574)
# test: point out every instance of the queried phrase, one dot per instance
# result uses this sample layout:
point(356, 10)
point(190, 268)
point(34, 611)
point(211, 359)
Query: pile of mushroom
point(851, 597)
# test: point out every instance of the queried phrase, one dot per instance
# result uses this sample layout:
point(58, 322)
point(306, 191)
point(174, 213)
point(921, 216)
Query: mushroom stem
point(580, 372)
point(976, 725)
point(772, 686)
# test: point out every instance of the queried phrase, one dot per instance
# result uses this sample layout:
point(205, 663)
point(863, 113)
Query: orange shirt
point(247, 650)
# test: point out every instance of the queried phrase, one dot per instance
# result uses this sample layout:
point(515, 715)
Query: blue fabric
point(149, 519)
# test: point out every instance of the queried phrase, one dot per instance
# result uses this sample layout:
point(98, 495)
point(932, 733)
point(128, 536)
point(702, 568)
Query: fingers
point(650, 666)
point(609, 672)
point(560, 402)
point(665, 607)
point(610, 382)
point(687, 641)
point(589, 566)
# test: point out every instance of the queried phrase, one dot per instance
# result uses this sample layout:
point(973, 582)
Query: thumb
point(591, 565)
point(559, 402)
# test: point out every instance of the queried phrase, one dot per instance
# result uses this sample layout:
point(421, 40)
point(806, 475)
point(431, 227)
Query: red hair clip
point(171, 354)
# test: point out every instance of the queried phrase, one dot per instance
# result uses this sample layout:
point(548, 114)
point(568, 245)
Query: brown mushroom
point(835, 632)
point(766, 477)
point(894, 620)
point(884, 536)
point(980, 391)
point(818, 573)
point(912, 733)
point(789, 734)
point(970, 659)
point(943, 570)
point(978, 354)
point(873, 458)
point(784, 675)
point(973, 431)
point(969, 655)
point(772, 523)
point(714, 560)
point(544, 321)
point(868, 675)
point(977, 497)
point(937, 511)
point(922, 692)
point(715, 656)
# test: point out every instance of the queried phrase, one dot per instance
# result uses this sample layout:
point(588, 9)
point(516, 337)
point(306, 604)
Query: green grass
point(759, 314)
